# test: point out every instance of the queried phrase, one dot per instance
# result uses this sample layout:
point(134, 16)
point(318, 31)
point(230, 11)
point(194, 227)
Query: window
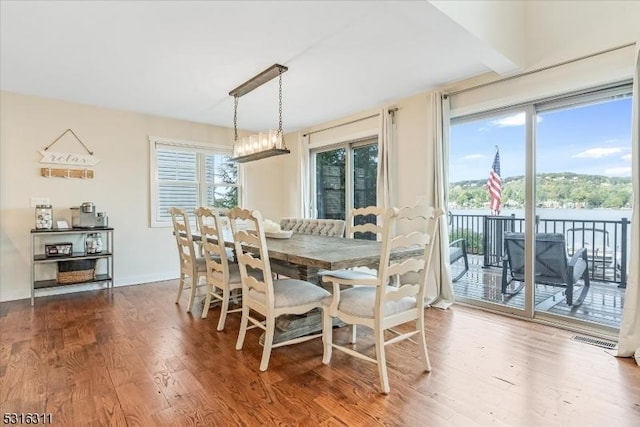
point(335, 194)
point(190, 175)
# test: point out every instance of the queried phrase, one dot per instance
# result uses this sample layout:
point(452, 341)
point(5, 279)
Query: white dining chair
point(365, 222)
point(268, 297)
point(192, 267)
point(373, 303)
point(222, 277)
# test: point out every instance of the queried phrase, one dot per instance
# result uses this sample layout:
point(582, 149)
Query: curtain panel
point(629, 338)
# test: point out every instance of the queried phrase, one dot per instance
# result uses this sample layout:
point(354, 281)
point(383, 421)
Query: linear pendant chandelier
point(264, 144)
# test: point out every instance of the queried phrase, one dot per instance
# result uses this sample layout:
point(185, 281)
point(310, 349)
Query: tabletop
point(324, 252)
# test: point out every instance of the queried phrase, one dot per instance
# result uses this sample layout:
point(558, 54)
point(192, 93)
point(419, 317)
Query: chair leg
point(268, 342)
point(225, 307)
point(195, 281)
point(180, 287)
point(569, 293)
point(382, 361)
point(353, 334)
point(327, 335)
point(422, 344)
point(244, 322)
point(207, 301)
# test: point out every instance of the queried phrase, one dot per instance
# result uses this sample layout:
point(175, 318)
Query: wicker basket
point(76, 271)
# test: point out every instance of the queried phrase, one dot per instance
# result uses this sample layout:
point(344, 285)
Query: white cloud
point(515, 120)
point(626, 157)
point(622, 171)
point(474, 156)
point(597, 153)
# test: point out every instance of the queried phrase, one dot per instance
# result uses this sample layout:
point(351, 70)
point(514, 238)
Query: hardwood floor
point(132, 357)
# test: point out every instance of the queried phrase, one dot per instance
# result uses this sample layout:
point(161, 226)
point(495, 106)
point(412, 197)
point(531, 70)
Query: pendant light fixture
point(264, 144)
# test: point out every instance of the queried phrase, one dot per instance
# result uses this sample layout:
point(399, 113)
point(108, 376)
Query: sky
point(591, 139)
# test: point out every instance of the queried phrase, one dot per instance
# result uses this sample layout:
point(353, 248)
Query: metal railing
point(607, 241)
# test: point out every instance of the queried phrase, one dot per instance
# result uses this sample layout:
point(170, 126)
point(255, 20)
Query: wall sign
point(63, 158)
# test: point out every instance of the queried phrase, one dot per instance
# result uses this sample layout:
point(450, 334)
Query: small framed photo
point(62, 224)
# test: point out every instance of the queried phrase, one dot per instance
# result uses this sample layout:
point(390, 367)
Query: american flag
point(494, 185)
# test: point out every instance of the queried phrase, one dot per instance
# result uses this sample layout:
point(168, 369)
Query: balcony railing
point(607, 241)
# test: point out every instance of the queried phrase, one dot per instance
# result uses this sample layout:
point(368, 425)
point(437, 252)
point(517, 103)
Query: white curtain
point(303, 175)
point(440, 290)
point(629, 339)
point(386, 144)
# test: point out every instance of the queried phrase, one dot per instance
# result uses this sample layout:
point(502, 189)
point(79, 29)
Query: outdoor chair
point(458, 252)
point(374, 303)
point(552, 265)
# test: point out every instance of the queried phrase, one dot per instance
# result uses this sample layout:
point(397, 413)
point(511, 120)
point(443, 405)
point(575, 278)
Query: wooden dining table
point(301, 256)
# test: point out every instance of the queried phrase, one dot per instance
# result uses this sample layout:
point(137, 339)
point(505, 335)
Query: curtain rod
point(391, 110)
point(570, 61)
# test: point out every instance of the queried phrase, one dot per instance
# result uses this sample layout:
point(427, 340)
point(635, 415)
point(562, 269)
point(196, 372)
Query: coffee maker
point(85, 216)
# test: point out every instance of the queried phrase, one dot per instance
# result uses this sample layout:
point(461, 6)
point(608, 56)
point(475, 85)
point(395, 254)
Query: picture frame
point(62, 224)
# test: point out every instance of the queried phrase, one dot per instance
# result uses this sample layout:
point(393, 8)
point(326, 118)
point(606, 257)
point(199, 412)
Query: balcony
point(607, 243)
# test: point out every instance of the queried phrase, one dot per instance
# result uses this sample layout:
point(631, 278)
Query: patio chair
point(458, 252)
point(552, 265)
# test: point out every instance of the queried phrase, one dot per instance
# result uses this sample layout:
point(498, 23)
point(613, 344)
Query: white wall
point(120, 187)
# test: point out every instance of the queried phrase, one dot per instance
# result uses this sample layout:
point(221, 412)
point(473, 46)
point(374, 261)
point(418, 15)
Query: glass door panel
point(364, 183)
point(487, 168)
point(583, 201)
point(330, 170)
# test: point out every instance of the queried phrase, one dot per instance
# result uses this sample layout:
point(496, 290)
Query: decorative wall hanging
point(64, 158)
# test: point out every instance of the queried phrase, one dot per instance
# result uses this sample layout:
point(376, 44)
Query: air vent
point(595, 341)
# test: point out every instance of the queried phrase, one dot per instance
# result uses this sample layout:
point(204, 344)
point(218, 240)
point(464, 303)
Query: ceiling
point(181, 59)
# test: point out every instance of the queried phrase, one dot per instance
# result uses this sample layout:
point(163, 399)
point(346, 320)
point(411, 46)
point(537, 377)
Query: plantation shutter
point(177, 181)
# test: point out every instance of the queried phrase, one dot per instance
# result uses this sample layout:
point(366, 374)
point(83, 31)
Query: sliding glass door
point(541, 194)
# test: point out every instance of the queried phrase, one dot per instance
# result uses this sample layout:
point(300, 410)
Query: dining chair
point(192, 267)
point(223, 277)
point(365, 223)
point(268, 297)
point(376, 304)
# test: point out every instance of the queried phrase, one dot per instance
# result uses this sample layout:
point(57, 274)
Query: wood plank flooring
point(131, 357)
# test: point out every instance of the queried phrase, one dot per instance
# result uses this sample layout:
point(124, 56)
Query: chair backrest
point(550, 256)
point(366, 223)
point(321, 227)
point(252, 254)
point(184, 239)
point(213, 248)
point(421, 223)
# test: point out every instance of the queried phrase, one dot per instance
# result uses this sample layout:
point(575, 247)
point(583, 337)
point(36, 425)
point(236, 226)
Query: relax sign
point(68, 158)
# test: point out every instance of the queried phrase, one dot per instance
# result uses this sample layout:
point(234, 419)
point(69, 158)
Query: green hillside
point(553, 190)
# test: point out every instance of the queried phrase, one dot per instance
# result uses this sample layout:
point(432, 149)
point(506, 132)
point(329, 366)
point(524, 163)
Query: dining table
point(302, 256)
